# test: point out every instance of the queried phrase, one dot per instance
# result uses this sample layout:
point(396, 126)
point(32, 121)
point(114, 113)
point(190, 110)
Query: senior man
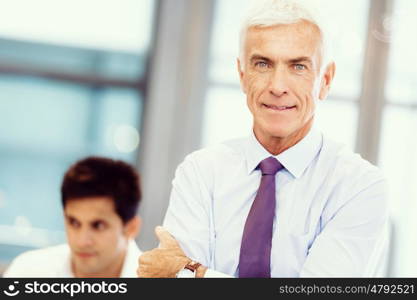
point(286, 201)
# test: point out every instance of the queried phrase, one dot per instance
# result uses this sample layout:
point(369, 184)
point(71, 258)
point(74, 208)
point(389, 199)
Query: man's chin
point(86, 267)
point(279, 132)
point(88, 272)
point(286, 129)
point(275, 128)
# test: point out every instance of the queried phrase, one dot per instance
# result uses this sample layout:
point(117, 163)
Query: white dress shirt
point(331, 208)
point(56, 262)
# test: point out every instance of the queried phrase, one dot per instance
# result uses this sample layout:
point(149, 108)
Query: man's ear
point(327, 80)
point(132, 227)
point(241, 75)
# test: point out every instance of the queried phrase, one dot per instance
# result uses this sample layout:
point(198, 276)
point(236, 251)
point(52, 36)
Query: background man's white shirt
point(331, 210)
point(56, 262)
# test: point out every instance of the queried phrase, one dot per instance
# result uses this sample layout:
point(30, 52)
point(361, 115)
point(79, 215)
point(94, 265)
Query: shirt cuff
point(214, 274)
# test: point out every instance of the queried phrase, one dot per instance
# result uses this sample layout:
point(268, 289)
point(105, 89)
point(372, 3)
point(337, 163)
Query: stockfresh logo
point(12, 290)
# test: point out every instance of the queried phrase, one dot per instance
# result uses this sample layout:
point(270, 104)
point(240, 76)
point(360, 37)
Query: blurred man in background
point(100, 197)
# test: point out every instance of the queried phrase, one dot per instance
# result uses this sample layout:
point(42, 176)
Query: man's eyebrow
point(97, 221)
point(296, 60)
point(259, 57)
point(300, 59)
point(70, 218)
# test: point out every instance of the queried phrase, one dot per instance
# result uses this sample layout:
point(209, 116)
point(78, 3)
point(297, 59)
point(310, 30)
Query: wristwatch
point(189, 270)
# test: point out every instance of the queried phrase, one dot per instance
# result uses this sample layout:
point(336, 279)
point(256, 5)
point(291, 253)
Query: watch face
point(185, 273)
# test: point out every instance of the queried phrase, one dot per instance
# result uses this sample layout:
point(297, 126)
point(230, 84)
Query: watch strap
point(192, 266)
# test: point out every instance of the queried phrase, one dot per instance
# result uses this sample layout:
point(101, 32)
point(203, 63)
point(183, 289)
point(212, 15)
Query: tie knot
point(270, 166)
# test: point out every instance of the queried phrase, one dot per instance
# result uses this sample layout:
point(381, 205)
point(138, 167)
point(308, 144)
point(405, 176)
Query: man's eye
point(261, 64)
point(74, 223)
point(98, 225)
point(299, 67)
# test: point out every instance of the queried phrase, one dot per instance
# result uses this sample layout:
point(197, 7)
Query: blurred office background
point(149, 81)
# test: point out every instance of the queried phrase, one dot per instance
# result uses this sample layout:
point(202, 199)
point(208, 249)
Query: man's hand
point(164, 261)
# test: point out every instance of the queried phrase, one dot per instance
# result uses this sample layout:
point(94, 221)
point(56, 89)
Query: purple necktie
point(255, 250)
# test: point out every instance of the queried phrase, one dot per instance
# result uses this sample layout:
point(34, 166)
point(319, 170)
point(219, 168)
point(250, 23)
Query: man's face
point(95, 233)
point(280, 75)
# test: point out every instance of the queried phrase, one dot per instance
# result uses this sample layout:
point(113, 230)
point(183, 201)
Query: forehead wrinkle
point(307, 37)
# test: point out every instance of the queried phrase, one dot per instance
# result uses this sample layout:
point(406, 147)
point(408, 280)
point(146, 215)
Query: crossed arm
point(350, 244)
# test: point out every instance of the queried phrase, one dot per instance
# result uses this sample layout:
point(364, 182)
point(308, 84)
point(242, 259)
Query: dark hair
point(99, 176)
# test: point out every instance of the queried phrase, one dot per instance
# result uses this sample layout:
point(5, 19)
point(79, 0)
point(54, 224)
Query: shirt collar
point(130, 263)
point(295, 159)
point(66, 268)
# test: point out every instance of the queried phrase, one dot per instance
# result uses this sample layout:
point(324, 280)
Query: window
point(398, 147)
point(70, 87)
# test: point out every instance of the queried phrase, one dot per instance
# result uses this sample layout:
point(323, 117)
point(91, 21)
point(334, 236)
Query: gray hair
point(275, 12)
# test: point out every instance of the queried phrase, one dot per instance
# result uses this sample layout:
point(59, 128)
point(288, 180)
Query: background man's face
point(95, 233)
point(280, 75)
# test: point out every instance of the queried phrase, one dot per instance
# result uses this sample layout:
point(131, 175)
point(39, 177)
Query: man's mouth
point(85, 254)
point(278, 108)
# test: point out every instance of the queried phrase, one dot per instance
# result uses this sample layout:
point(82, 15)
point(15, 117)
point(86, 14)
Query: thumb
point(165, 238)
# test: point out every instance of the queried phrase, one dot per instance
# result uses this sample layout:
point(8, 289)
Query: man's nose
point(278, 83)
point(85, 238)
